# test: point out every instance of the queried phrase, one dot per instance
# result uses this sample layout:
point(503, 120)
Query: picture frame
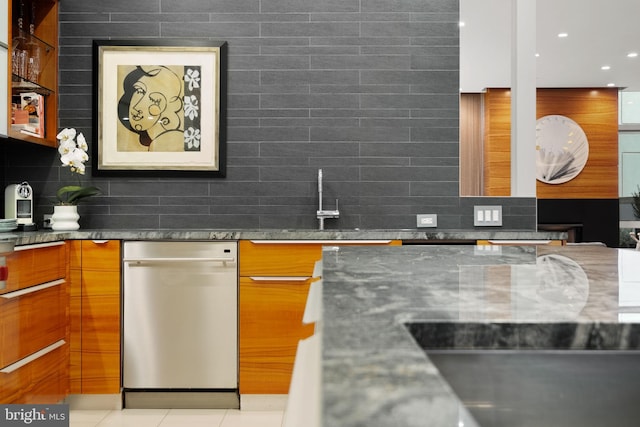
point(159, 108)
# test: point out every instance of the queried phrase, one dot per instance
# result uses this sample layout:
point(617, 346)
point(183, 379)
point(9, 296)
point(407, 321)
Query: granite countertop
point(34, 237)
point(463, 297)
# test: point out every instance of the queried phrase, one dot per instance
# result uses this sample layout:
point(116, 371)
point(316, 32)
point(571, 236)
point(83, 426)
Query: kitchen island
point(383, 305)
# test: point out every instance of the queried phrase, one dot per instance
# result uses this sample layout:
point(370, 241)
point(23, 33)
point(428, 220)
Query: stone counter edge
point(417, 236)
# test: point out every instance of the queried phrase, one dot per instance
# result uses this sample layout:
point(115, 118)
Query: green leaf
point(72, 194)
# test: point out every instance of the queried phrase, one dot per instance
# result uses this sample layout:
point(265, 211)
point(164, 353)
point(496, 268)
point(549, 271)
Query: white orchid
point(75, 159)
point(82, 143)
point(73, 154)
point(66, 146)
point(67, 134)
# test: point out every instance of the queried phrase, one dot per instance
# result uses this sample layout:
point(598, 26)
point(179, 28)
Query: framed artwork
point(562, 149)
point(159, 107)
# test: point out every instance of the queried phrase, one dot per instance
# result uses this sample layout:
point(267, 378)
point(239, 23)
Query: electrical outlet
point(427, 220)
point(487, 216)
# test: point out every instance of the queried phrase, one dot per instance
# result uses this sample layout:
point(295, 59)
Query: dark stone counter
point(383, 305)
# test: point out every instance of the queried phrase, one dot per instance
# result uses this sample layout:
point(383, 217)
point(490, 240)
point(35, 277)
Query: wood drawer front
point(31, 322)
point(44, 380)
point(278, 259)
point(294, 258)
point(30, 267)
point(270, 328)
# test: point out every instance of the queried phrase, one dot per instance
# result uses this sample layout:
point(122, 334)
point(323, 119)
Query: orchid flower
point(73, 154)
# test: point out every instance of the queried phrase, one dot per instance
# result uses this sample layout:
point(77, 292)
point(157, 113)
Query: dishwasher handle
point(140, 261)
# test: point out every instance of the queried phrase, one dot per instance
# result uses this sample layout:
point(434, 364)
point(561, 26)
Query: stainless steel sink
point(548, 388)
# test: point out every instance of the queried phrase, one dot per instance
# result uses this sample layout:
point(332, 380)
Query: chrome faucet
point(321, 213)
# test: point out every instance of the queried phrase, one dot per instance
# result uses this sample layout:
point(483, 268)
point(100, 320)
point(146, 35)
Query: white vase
point(65, 218)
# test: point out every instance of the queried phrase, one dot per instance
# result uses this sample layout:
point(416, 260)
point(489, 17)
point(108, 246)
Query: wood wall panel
point(471, 146)
point(497, 147)
point(595, 110)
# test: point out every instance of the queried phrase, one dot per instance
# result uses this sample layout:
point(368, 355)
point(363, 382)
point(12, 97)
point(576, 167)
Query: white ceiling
point(601, 32)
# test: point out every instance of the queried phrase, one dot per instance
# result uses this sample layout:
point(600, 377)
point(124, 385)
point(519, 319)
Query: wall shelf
point(33, 40)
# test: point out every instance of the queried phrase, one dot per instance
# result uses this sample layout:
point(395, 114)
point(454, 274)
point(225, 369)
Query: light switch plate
point(427, 220)
point(487, 216)
point(487, 250)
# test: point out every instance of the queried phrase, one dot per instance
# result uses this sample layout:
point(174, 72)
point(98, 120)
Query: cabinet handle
point(38, 246)
point(25, 291)
point(323, 242)
point(280, 278)
point(519, 242)
point(140, 261)
point(100, 242)
point(38, 354)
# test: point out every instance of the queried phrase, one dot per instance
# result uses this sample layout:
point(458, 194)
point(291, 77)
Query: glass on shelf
point(33, 64)
point(29, 57)
point(33, 49)
point(19, 55)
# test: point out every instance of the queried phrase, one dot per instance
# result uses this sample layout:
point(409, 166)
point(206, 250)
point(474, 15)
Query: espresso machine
point(18, 205)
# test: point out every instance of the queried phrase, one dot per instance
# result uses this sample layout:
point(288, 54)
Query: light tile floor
point(175, 418)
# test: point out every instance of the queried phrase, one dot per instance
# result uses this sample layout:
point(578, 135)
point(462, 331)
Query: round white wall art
point(562, 149)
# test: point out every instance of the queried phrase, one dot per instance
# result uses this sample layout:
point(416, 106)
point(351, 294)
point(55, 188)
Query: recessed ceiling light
point(563, 35)
point(632, 54)
point(611, 84)
point(605, 67)
point(461, 24)
point(537, 55)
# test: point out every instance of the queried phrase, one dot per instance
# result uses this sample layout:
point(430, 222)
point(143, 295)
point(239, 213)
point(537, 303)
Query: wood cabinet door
point(100, 364)
point(95, 316)
point(270, 327)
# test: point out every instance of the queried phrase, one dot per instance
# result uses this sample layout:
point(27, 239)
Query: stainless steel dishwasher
point(180, 324)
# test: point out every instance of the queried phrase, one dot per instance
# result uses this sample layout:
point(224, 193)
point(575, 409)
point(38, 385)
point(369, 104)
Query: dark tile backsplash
point(367, 90)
